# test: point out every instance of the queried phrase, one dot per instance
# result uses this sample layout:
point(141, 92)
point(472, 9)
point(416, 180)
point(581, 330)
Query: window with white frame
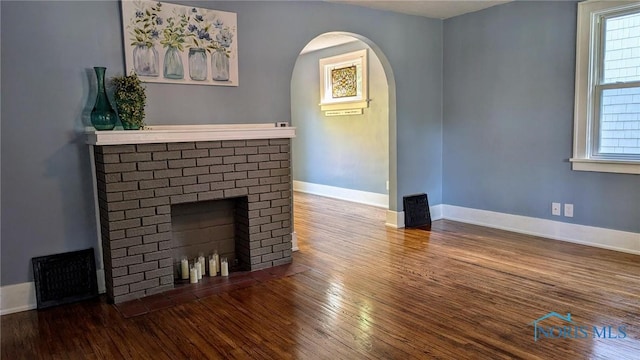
point(607, 104)
point(343, 82)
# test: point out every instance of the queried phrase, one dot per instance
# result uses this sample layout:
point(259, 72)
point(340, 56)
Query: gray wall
point(344, 151)
point(508, 119)
point(49, 49)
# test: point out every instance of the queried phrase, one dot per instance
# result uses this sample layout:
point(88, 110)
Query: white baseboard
point(22, 297)
point(294, 241)
point(395, 219)
point(623, 241)
point(18, 297)
point(436, 212)
point(362, 197)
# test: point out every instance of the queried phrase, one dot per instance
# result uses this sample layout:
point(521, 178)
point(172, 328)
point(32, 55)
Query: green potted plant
point(130, 100)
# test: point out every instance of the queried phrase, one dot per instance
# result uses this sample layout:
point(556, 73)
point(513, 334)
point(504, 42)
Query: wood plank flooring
point(456, 292)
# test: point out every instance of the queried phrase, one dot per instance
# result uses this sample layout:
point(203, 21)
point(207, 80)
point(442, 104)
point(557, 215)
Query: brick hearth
point(138, 183)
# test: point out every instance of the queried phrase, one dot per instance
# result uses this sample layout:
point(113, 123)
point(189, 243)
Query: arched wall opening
point(349, 156)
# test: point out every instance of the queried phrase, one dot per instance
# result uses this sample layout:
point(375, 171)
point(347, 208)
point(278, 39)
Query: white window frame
point(586, 112)
point(360, 101)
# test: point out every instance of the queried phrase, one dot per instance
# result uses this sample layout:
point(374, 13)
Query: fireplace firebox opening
point(208, 227)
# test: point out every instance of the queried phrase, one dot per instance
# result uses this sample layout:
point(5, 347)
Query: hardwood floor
point(457, 292)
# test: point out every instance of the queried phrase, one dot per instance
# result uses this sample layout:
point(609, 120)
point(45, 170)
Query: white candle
point(184, 268)
point(217, 257)
point(201, 261)
point(224, 267)
point(212, 267)
point(199, 269)
point(193, 275)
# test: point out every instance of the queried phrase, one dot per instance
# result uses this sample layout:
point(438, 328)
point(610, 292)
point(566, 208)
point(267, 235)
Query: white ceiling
point(326, 41)
point(429, 8)
point(426, 8)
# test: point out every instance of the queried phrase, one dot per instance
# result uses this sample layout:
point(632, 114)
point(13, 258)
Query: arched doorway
point(352, 157)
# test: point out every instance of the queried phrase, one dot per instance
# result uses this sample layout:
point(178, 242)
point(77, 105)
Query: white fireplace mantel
point(188, 133)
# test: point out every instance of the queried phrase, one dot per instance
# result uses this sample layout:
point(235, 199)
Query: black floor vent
point(416, 211)
point(65, 278)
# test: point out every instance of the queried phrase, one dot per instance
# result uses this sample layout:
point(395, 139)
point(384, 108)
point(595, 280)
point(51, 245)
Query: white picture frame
point(343, 81)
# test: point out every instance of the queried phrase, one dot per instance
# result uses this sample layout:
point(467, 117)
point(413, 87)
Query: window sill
point(359, 104)
point(610, 166)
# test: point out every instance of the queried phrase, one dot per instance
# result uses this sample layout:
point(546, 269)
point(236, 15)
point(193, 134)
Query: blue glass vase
point(145, 60)
point(220, 66)
point(198, 64)
point(103, 117)
point(173, 68)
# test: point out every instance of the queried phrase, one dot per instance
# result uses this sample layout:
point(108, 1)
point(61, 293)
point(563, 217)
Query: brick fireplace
point(140, 176)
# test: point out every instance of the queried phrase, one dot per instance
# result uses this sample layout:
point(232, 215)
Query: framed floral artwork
point(343, 81)
point(168, 43)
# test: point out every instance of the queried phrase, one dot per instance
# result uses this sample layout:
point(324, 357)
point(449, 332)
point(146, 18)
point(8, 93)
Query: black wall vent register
point(416, 211)
point(65, 278)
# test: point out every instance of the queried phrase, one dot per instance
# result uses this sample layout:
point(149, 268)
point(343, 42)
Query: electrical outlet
point(568, 210)
point(555, 209)
point(387, 184)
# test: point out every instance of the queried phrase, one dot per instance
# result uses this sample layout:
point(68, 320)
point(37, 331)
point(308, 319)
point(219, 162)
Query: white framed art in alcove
point(343, 81)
